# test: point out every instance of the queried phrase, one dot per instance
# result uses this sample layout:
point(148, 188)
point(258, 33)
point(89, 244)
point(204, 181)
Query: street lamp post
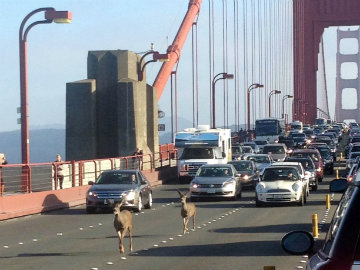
point(215, 79)
point(251, 87)
point(283, 107)
point(156, 56)
point(273, 92)
point(51, 15)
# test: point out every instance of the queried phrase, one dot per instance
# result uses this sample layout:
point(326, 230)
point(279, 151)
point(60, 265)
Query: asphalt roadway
point(228, 235)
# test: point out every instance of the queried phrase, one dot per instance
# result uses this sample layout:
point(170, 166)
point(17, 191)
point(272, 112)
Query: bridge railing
point(35, 177)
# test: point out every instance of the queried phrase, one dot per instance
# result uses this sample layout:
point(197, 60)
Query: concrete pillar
point(80, 120)
point(126, 109)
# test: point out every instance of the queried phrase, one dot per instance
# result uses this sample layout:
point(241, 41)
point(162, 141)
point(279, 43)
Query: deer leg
point(194, 222)
point(130, 236)
point(185, 225)
point(119, 234)
point(122, 233)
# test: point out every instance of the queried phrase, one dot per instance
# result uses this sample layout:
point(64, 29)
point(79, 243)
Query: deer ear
point(187, 193)
point(179, 192)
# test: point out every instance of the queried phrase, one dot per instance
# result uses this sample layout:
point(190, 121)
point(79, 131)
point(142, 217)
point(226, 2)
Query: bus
point(269, 129)
point(321, 122)
point(296, 126)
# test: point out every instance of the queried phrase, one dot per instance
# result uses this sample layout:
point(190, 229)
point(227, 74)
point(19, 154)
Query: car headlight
point(245, 177)
point(92, 194)
point(228, 184)
point(260, 187)
point(318, 169)
point(296, 187)
point(194, 185)
point(129, 195)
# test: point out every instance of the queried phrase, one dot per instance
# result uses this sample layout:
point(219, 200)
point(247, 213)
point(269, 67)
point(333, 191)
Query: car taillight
point(350, 178)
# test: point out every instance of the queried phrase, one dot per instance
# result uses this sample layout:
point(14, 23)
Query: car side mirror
point(237, 174)
point(91, 183)
point(297, 242)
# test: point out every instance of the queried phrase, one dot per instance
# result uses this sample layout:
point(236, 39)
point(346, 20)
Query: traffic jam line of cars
point(284, 172)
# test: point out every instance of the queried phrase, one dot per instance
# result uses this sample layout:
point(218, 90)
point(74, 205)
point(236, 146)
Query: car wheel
point(301, 201)
point(239, 195)
point(90, 210)
point(149, 204)
point(140, 205)
point(258, 203)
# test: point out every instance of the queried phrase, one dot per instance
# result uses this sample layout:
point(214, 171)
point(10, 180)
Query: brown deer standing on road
point(188, 210)
point(122, 223)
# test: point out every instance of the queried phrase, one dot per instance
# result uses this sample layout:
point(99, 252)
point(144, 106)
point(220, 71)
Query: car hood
point(212, 180)
point(112, 187)
point(262, 166)
point(246, 172)
point(279, 184)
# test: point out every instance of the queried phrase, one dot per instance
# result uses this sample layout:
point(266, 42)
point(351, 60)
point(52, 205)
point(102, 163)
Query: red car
point(315, 156)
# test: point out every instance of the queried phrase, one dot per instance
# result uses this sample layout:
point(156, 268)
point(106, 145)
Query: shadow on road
point(254, 248)
point(279, 228)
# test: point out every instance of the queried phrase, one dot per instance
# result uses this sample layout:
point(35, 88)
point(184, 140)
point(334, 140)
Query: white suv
point(281, 184)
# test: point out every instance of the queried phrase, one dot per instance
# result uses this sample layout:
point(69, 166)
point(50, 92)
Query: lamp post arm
point(32, 25)
point(21, 37)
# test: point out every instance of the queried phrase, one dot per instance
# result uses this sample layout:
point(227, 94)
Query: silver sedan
point(216, 180)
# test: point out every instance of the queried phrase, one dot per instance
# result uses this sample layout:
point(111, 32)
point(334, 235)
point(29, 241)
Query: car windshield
point(314, 156)
point(214, 172)
point(355, 139)
point(324, 152)
point(247, 149)
point(261, 142)
point(197, 153)
point(118, 178)
point(354, 155)
point(273, 174)
point(306, 163)
point(259, 159)
point(274, 149)
point(355, 148)
point(243, 166)
point(235, 150)
point(298, 135)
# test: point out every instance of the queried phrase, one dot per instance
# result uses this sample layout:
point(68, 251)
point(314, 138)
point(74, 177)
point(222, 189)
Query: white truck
point(200, 146)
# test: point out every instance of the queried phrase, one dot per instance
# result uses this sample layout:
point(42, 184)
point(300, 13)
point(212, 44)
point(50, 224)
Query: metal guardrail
point(36, 177)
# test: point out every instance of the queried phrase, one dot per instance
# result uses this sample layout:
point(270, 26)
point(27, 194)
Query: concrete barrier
point(18, 205)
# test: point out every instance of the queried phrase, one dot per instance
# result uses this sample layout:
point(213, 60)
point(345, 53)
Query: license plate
point(106, 201)
point(211, 191)
point(278, 196)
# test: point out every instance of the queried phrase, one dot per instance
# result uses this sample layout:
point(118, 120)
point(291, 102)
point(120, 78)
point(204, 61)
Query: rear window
point(274, 149)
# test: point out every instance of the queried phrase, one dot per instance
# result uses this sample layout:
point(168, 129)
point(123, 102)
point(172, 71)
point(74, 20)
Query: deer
point(188, 210)
point(122, 223)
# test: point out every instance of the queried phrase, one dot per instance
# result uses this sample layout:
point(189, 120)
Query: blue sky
point(57, 53)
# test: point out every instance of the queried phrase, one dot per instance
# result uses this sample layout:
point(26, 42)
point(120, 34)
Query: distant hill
point(44, 145)
point(47, 141)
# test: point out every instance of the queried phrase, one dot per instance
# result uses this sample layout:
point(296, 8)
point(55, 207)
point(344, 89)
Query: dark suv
point(341, 249)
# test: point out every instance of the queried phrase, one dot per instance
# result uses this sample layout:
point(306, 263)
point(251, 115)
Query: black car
point(288, 141)
point(249, 175)
point(341, 249)
point(131, 186)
